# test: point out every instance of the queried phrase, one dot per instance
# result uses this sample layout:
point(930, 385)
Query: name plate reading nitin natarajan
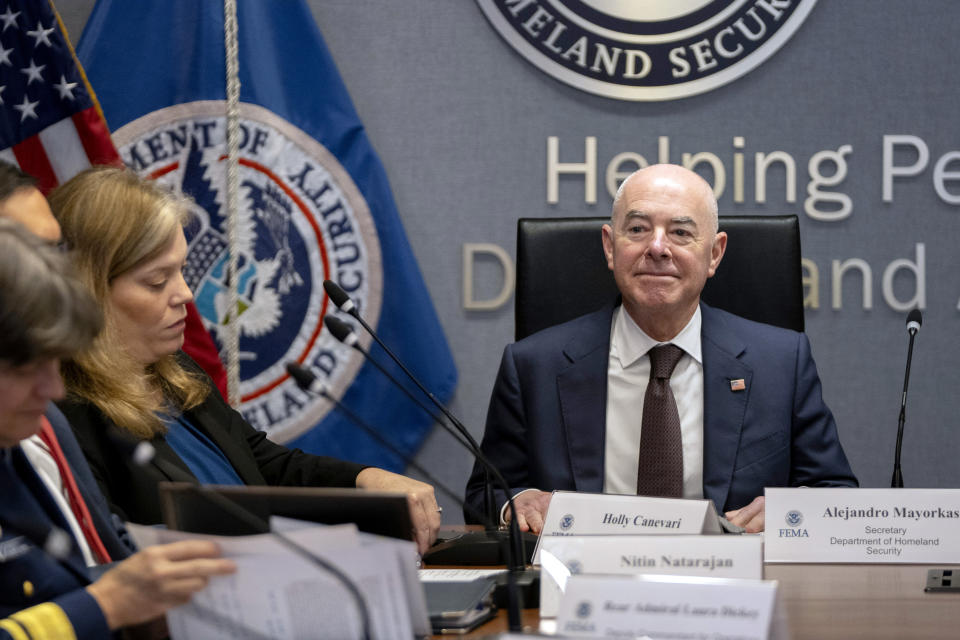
point(913, 526)
point(602, 514)
point(561, 557)
point(667, 606)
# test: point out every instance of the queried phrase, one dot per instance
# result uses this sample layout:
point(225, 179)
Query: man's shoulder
point(736, 334)
point(581, 332)
point(718, 318)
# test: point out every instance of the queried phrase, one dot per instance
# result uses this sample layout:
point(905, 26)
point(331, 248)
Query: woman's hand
point(424, 510)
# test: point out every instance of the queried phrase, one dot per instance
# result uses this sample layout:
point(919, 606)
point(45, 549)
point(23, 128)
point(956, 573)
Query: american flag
point(50, 123)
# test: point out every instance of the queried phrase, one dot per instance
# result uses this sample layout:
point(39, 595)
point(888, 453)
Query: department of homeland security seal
point(646, 49)
point(301, 219)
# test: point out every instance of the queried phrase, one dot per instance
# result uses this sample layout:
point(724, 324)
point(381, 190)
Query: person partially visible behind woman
point(127, 241)
point(46, 591)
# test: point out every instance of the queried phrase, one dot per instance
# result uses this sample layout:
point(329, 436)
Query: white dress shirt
point(628, 372)
point(43, 463)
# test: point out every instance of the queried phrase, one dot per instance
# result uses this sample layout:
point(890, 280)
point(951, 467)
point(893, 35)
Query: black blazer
point(132, 490)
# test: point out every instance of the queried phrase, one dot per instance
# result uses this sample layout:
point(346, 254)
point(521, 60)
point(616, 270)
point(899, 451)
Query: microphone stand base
point(477, 548)
point(528, 589)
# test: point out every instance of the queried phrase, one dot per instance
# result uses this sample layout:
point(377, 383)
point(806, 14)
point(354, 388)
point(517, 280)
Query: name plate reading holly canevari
point(667, 607)
point(562, 557)
point(913, 526)
point(601, 514)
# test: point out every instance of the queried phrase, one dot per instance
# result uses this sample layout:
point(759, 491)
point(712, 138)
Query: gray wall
point(461, 123)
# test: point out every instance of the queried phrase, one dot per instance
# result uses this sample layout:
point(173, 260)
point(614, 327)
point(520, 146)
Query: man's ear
point(717, 251)
point(606, 235)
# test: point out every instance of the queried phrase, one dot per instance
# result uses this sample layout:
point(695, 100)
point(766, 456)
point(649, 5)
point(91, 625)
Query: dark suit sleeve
point(817, 459)
point(74, 614)
point(504, 441)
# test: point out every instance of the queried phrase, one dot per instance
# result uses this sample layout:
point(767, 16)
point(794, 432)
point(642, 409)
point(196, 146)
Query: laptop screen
point(188, 507)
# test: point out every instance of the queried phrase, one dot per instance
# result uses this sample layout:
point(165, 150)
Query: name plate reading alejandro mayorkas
point(862, 525)
point(573, 513)
point(668, 607)
point(711, 556)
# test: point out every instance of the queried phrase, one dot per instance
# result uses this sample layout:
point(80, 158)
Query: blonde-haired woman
point(126, 236)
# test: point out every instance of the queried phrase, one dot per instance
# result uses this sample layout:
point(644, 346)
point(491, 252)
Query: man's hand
point(749, 517)
point(531, 508)
point(148, 583)
point(424, 510)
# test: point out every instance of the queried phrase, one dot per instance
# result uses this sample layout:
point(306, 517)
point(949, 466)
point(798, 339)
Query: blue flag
point(314, 204)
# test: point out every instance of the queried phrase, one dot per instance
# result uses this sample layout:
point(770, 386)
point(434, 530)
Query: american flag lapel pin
point(737, 385)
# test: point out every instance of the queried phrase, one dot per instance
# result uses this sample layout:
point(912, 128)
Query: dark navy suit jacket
point(109, 526)
point(547, 417)
point(29, 576)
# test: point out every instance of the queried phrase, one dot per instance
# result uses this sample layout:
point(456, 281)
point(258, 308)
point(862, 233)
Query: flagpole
point(232, 341)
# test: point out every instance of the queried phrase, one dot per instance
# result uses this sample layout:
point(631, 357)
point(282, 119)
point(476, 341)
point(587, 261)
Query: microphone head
point(58, 543)
point(139, 451)
point(914, 320)
point(301, 375)
point(143, 453)
point(339, 296)
point(340, 330)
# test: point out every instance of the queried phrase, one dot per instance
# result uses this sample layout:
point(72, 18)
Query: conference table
point(842, 601)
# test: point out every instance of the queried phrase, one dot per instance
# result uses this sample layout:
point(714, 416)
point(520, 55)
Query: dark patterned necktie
point(661, 448)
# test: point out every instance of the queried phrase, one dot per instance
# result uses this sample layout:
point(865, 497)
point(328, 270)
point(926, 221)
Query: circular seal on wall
point(646, 50)
point(301, 220)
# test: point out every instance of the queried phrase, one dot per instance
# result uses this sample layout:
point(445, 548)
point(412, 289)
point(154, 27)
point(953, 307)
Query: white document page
point(278, 594)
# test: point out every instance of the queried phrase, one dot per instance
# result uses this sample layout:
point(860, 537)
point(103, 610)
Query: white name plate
point(862, 525)
point(711, 556)
point(595, 514)
point(667, 606)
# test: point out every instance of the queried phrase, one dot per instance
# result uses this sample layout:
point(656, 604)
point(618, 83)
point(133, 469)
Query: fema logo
point(584, 609)
point(650, 50)
point(794, 518)
point(575, 567)
point(566, 522)
point(301, 220)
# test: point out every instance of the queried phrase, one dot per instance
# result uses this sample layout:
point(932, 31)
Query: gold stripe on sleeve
point(46, 621)
point(15, 630)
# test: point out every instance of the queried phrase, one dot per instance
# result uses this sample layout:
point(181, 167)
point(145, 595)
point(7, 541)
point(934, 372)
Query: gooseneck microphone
point(342, 332)
point(142, 452)
point(307, 382)
point(515, 552)
point(345, 334)
point(914, 320)
point(346, 304)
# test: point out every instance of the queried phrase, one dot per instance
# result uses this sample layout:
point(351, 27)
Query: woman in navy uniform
point(45, 588)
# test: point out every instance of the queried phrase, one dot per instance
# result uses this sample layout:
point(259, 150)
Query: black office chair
point(562, 272)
